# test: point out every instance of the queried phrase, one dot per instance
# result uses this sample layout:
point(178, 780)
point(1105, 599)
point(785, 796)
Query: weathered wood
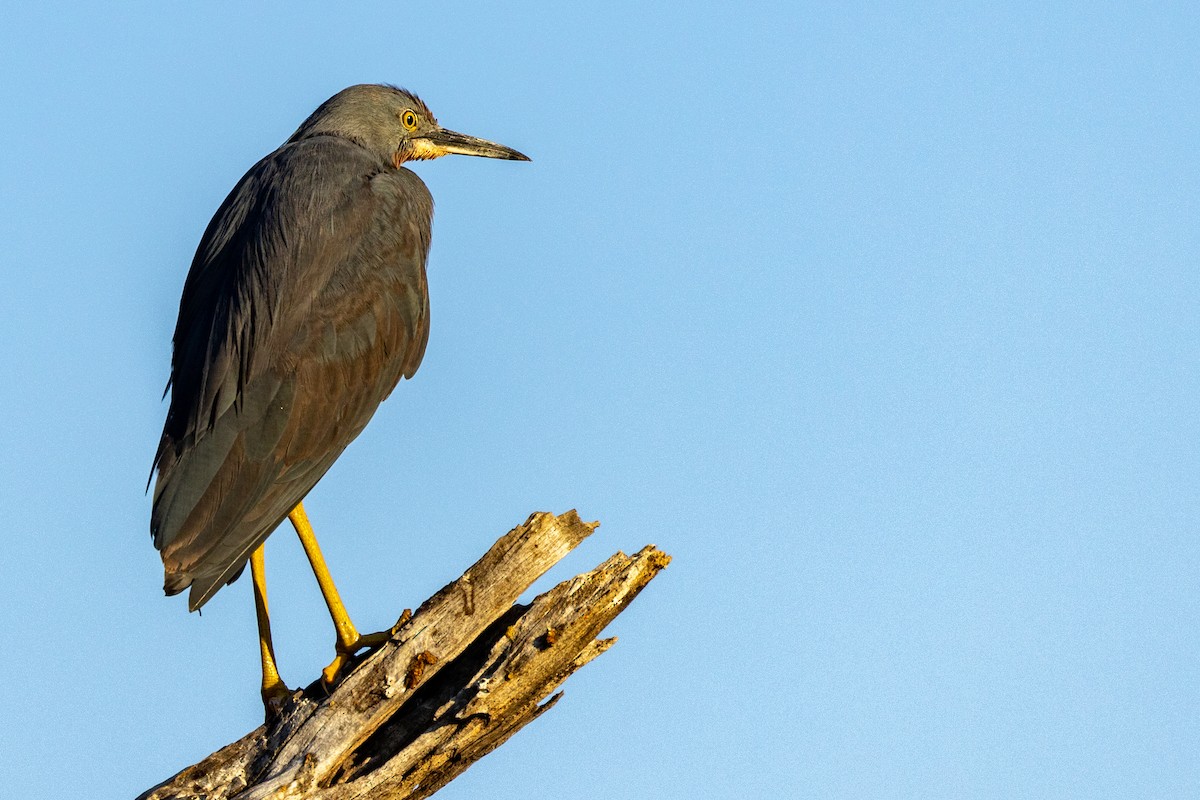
point(459, 677)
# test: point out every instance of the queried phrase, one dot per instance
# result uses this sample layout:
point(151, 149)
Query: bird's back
point(306, 303)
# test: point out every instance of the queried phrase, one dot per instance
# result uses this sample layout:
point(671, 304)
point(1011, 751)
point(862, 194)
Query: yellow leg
point(349, 641)
point(274, 691)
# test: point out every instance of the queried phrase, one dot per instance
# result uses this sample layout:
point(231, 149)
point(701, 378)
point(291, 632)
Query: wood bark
point(457, 678)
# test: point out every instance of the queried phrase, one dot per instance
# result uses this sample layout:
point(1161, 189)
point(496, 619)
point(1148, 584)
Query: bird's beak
point(443, 142)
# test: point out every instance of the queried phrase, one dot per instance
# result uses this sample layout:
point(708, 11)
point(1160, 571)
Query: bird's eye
point(410, 120)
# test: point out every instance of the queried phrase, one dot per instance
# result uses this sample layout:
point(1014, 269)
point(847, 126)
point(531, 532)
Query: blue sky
point(882, 320)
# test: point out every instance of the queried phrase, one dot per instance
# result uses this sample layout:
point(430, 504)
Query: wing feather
point(306, 303)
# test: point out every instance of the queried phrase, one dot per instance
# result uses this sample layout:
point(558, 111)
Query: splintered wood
point(459, 676)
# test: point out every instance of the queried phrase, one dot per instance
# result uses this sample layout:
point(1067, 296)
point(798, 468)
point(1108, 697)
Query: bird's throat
point(416, 150)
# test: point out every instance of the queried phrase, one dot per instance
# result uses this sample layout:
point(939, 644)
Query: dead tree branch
point(465, 672)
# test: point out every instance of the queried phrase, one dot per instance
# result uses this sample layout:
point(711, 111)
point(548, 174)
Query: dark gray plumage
point(305, 305)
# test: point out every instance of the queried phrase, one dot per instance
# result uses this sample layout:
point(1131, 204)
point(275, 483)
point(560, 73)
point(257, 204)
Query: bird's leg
point(349, 640)
point(274, 691)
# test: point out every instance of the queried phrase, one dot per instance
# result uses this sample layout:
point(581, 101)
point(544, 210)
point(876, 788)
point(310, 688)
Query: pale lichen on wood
point(459, 676)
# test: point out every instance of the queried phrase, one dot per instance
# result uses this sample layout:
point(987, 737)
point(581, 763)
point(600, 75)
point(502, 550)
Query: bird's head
point(396, 125)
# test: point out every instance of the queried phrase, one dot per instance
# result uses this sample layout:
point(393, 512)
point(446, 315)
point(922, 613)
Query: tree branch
point(459, 677)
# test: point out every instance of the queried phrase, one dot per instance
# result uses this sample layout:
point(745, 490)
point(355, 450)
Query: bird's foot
point(346, 652)
point(275, 697)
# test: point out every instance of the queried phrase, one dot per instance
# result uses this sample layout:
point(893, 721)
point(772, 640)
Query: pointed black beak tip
point(451, 142)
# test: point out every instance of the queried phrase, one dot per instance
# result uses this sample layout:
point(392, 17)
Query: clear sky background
point(882, 319)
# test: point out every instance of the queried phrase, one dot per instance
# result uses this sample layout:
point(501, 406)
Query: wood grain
point(459, 676)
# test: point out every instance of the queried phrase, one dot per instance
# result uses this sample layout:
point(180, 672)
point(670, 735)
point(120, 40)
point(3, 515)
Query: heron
point(305, 304)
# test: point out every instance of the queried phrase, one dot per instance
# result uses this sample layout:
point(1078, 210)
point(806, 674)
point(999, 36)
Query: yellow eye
point(410, 120)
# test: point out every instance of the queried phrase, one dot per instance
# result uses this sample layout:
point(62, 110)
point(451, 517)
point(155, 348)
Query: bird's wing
point(305, 305)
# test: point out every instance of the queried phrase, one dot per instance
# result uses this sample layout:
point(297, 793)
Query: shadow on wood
point(465, 672)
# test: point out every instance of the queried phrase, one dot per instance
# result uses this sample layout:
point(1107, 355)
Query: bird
point(305, 305)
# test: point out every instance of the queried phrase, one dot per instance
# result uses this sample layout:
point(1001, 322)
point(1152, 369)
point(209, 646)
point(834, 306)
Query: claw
point(330, 674)
point(274, 699)
point(345, 653)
